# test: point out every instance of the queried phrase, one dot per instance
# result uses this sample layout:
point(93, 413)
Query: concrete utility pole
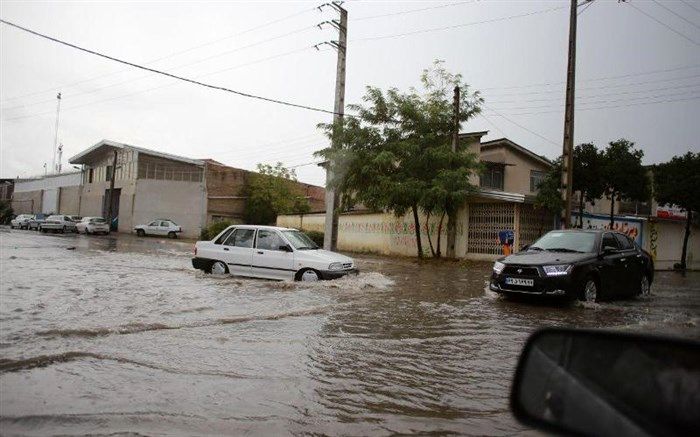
point(55, 140)
point(111, 190)
point(330, 237)
point(568, 149)
point(452, 217)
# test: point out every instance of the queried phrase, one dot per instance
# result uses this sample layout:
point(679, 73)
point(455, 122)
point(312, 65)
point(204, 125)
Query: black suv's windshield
point(299, 240)
point(566, 242)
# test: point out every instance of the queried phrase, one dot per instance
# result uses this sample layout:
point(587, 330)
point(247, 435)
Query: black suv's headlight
point(498, 267)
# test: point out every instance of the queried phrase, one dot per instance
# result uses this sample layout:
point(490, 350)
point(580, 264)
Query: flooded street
point(103, 335)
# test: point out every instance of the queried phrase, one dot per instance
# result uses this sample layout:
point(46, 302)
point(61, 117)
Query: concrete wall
point(382, 233)
point(180, 201)
point(27, 202)
point(664, 240)
point(52, 181)
point(69, 200)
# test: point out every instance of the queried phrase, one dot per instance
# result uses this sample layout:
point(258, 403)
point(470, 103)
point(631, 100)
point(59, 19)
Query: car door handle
point(226, 249)
point(261, 252)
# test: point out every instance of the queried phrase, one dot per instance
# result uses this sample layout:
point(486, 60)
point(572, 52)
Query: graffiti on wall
point(630, 227)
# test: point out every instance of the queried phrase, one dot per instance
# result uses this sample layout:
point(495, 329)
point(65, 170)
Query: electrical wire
point(457, 26)
point(158, 87)
point(690, 5)
point(520, 125)
point(676, 14)
point(662, 23)
point(393, 14)
point(171, 55)
point(227, 52)
point(164, 73)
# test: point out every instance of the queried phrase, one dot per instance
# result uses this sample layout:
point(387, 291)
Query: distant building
point(149, 184)
point(7, 187)
point(52, 194)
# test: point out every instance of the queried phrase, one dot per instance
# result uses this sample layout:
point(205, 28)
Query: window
point(165, 224)
point(536, 178)
point(153, 224)
point(223, 236)
point(578, 241)
point(109, 173)
point(624, 242)
point(91, 174)
point(300, 240)
point(492, 177)
point(241, 238)
point(609, 241)
point(268, 240)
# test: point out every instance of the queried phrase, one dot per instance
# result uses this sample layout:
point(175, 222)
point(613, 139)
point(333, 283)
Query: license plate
point(520, 281)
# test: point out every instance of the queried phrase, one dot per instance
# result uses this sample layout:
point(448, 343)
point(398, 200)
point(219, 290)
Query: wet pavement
point(105, 335)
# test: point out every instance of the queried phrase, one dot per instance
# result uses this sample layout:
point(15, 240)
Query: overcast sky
point(636, 78)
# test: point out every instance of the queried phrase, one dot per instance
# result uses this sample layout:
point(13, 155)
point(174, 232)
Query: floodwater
point(105, 335)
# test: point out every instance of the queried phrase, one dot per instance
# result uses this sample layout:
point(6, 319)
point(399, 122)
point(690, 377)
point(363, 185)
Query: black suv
point(591, 265)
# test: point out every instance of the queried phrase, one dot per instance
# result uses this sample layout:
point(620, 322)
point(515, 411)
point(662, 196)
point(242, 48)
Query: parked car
point(590, 265)
point(58, 223)
point(159, 227)
point(92, 225)
point(21, 221)
point(269, 252)
point(37, 221)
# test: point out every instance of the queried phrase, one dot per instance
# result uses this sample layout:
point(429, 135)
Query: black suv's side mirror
point(608, 250)
point(285, 248)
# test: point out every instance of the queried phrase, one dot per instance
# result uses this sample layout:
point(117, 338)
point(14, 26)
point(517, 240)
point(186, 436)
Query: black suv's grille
point(521, 271)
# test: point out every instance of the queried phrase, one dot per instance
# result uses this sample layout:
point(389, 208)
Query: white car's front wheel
point(308, 275)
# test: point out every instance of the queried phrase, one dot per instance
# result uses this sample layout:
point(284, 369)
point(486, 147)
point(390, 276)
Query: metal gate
point(485, 221)
point(49, 201)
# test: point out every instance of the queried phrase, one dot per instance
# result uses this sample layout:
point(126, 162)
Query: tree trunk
point(427, 229)
point(685, 238)
point(439, 251)
point(580, 210)
point(612, 210)
point(419, 246)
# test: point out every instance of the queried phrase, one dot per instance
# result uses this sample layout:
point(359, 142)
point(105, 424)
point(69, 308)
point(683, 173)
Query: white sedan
point(269, 252)
point(159, 227)
point(21, 221)
point(92, 225)
point(58, 223)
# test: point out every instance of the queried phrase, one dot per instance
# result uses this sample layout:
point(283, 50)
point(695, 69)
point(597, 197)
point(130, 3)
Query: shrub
point(214, 229)
point(316, 236)
point(6, 212)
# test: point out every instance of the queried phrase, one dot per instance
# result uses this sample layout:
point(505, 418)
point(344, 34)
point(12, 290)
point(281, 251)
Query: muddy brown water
point(121, 335)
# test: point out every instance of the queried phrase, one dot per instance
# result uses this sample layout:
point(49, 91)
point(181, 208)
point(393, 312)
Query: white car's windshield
point(98, 220)
point(565, 242)
point(300, 240)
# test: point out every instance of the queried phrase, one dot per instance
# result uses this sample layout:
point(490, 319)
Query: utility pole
point(452, 216)
point(59, 159)
point(330, 236)
point(111, 190)
point(55, 140)
point(568, 149)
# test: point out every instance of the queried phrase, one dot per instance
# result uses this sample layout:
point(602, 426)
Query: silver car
point(21, 221)
point(58, 223)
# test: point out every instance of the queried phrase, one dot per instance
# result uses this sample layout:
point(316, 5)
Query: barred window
point(536, 178)
point(492, 177)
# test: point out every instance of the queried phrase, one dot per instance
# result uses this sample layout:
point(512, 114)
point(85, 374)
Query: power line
point(520, 125)
point(676, 14)
point(173, 54)
point(410, 11)
point(662, 23)
point(172, 69)
point(181, 78)
point(457, 26)
point(690, 5)
point(595, 79)
point(612, 106)
point(601, 95)
point(161, 86)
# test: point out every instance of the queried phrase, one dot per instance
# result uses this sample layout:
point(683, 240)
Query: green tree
point(587, 175)
point(273, 191)
point(6, 212)
point(624, 177)
point(395, 154)
point(676, 183)
point(548, 199)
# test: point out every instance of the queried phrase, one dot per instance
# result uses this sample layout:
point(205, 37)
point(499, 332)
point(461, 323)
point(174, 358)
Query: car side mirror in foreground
point(607, 250)
point(285, 248)
point(602, 383)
